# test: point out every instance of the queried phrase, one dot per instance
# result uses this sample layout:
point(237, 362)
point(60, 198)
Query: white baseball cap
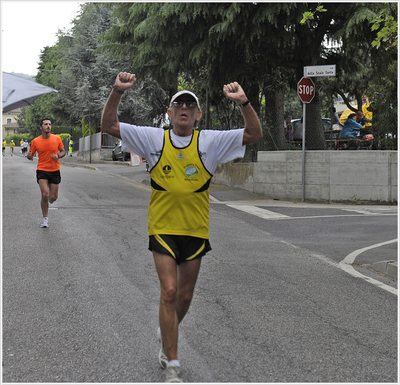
point(184, 92)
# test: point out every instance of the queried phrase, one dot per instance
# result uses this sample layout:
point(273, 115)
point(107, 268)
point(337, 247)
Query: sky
point(29, 26)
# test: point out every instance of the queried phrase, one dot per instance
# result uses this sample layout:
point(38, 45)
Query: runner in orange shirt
point(50, 149)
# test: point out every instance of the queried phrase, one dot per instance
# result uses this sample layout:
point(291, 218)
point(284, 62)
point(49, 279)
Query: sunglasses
point(189, 104)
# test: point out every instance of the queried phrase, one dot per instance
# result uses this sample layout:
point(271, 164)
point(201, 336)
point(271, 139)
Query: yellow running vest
point(179, 203)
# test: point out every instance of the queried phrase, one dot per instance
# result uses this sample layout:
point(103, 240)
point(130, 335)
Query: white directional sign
point(314, 71)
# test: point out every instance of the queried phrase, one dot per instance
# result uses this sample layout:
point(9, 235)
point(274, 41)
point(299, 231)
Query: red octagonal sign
point(306, 90)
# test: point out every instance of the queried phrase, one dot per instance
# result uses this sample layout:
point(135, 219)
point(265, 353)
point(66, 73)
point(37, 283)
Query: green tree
point(83, 74)
point(214, 43)
point(45, 105)
point(386, 26)
point(83, 88)
point(264, 46)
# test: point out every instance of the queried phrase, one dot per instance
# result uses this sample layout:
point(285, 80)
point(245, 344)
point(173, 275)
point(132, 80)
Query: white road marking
point(262, 213)
point(348, 261)
point(267, 214)
point(345, 265)
point(213, 199)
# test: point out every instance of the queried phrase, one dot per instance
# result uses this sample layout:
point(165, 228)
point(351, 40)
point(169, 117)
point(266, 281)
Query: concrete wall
point(330, 176)
point(96, 155)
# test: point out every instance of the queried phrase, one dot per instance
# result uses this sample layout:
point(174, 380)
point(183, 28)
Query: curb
point(388, 268)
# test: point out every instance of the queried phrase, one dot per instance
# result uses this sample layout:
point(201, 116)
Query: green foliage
point(34, 114)
point(262, 45)
point(384, 107)
point(309, 16)
point(386, 27)
point(86, 128)
point(18, 137)
point(48, 104)
point(201, 47)
point(64, 136)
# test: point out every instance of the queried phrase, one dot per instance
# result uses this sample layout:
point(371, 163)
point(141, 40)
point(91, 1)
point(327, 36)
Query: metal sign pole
point(303, 147)
point(311, 71)
point(303, 150)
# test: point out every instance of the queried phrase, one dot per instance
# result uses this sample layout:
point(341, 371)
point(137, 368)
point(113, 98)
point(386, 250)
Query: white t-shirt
point(215, 146)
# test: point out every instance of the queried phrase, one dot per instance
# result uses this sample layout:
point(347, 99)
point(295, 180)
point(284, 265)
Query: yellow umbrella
point(367, 114)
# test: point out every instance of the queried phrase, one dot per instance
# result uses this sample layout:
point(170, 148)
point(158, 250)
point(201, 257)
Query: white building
point(9, 122)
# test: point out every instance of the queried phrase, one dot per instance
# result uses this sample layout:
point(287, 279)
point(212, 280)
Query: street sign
point(314, 71)
point(306, 90)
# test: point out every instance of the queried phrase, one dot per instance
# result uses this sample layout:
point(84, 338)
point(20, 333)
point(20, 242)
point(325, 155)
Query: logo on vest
point(167, 169)
point(191, 172)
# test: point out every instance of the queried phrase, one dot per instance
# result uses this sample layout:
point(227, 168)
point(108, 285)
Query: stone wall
point(97, 155)
point(330, 176)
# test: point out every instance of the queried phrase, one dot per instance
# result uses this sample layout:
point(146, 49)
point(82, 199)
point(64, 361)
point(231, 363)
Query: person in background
point(71, 146)
point(298, 130)
point(12, 145)
point(50, 149)
point(335, 120)
point(361, 118)
point(350, 128)
point(4, 147)
point(24, 148)
point(178, 219)
point(288, 127)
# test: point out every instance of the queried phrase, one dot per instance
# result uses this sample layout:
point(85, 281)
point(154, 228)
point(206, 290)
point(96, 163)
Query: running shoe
point(162, 355)
point(45, 222)
point(50, 201)
point(174, 374)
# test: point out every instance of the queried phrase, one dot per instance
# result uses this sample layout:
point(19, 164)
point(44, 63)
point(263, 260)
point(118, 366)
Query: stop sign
point(306, 90)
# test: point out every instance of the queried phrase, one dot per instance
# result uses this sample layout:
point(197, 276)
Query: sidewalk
point(382, 259)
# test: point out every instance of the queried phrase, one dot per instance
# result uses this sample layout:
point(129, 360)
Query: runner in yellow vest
point(182, 161)
point(12, 145)
point(4, 147)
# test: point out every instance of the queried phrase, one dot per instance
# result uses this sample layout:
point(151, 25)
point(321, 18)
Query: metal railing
point(108, 141)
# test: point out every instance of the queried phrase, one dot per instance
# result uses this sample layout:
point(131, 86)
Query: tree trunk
point(274, 116)
point(315, 139)
point(253, 95)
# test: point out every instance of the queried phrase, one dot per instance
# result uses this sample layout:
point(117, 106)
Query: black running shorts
point(180, 247)
point(53, 177)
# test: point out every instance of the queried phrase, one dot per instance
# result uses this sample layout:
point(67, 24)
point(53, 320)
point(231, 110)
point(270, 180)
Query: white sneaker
point(174, 374)
point(162, 356)
point(45, 222)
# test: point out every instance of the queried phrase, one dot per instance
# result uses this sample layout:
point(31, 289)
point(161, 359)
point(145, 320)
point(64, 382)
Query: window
point(9, 120)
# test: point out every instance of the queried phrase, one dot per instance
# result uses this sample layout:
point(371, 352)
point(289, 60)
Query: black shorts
point(53, 177)
point(180, 247)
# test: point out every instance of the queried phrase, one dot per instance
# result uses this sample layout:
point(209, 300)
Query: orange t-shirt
point(44, 148)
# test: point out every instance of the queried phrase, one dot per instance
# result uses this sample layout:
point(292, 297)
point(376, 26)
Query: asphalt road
point(272, 303)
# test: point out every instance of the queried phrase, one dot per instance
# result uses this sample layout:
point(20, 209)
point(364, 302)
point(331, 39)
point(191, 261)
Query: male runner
point(182, 161)
point(50, 149)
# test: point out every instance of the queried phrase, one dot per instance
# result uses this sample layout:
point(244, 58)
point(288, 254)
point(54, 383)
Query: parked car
point(118, 154)
point(326, 124)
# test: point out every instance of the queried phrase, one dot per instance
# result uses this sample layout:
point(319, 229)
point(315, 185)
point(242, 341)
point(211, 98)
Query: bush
point(64, 136)
point(18, 137)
